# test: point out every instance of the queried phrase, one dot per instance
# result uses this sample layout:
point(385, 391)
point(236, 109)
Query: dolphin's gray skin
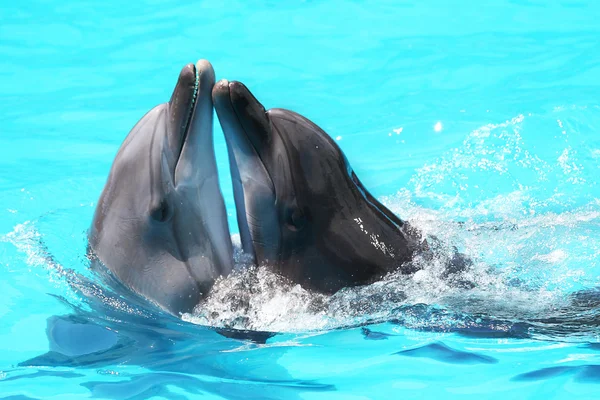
point(300, 207)
point(160, 224)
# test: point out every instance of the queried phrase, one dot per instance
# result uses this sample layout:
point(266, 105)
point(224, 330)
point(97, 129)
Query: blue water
point(477, 122)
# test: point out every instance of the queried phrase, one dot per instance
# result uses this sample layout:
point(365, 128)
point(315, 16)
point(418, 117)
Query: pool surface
point(478, 123)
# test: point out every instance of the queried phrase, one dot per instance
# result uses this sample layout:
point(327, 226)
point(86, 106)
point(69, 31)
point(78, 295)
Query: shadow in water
point(160, 384)
point(440, 352)
point(581, 373)
point(44, 374)
point(577, 317)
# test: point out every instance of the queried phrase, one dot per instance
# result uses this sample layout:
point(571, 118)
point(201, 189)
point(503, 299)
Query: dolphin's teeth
point(196, 84)
point(194, 96)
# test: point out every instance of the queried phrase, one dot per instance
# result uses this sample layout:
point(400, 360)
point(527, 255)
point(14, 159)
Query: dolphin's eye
point(161, 213)
point(295, 219)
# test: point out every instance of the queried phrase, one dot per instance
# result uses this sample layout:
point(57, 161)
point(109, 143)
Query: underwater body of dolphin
point(300, 207)
point(160, 225)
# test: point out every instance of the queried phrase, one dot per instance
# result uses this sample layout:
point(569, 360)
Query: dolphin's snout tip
point(187, 75)
point(239, 89)
point(221, 89)
point(206, 74)
point(222, 84)
point(203, 65)
point(239, 93)
point(231, 90)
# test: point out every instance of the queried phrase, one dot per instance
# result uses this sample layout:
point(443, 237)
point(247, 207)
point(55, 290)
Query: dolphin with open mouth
point(160, 225)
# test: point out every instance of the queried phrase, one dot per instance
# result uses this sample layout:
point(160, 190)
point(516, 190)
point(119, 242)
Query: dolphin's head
point(300, 207)
point(160, 224)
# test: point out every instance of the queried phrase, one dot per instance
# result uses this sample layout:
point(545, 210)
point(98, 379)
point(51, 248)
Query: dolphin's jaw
point(253, 186)
point(196, 183)
point(188, 120)
point(204, 246)
point(193, 103)
point(196, 160)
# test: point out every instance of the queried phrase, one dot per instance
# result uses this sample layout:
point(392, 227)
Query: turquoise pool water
point(476, 122)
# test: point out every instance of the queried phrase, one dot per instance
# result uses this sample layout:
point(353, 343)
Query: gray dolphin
point(160, 225)
point(300, 207)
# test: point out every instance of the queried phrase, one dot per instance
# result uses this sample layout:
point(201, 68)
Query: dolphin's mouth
point(186, 126)
point(246, 126)
point(192, 107)
point(240, 132)
point(183, 107)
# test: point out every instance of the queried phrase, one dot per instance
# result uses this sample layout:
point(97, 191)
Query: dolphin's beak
point(247, 132)
point(246, 128)
point(180, 108)
point(234, 97)
point(196, 178)
point(196, 155)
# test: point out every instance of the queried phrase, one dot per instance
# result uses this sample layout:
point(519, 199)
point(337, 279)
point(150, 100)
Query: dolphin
point(301, 209)
point(160, 225)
